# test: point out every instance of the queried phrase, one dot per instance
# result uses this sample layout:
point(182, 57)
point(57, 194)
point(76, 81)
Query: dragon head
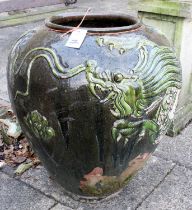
point(123, 91)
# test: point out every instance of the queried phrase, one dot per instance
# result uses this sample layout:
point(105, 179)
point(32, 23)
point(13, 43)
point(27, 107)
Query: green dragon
point(142, 101)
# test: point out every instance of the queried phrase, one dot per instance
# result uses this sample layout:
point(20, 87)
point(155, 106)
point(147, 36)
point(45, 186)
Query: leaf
point(2, 164)
point(2, 156)
point(19, 159)
point(9, 150)
point(1, 142)
point(14, 129)
point(5, 137)
point(23, 167)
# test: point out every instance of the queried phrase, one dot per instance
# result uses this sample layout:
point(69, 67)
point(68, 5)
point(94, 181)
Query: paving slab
point(9, 170)
point(8, 37)
point(3, 83)
point(177, 188)
point(4, 94)
point(40, 179)
point(4, 103)
point(178, 149)
point(15, 195)
point(131, 196)
point(60, 207)
point(139, 187)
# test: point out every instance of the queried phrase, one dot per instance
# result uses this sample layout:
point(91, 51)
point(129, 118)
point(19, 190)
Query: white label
point(76, 39)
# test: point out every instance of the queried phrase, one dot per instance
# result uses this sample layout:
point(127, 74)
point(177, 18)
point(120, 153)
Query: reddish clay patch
point(92, 178)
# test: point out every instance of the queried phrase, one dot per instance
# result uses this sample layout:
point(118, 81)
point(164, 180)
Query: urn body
point(94, 114)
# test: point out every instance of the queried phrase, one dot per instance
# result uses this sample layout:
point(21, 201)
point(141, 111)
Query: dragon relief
point(142, 101)
point(125, 96)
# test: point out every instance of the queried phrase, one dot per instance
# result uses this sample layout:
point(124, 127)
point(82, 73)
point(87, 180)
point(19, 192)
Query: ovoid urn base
point(94, 114)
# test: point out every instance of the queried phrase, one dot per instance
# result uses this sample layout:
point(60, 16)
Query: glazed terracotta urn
point(94, 114)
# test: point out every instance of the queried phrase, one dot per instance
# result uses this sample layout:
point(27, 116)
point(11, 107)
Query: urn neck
point(98, 23)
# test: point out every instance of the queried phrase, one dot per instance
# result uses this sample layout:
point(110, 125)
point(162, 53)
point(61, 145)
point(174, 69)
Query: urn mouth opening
point(104, 23)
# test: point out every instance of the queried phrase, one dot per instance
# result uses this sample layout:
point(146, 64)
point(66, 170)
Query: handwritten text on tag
point(76, 39)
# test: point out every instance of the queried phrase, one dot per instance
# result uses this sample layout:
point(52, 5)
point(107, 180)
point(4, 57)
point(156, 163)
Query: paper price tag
point(76, 39)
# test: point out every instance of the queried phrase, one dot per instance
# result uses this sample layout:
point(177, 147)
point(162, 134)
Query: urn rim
point(94, 22)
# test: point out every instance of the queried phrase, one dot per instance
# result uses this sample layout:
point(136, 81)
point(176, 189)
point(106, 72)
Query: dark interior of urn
point(95, 21)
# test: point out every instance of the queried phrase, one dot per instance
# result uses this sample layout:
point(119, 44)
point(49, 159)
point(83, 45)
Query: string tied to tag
point(78, 26)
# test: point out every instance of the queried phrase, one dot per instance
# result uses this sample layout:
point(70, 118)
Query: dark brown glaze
point(70, 120)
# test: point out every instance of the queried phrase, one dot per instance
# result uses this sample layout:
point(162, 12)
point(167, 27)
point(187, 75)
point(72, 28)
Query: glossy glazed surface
point(95, 114)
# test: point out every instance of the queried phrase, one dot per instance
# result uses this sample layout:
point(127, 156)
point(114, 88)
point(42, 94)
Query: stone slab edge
point(182, 118)
point(172, 8)
point(4, 103)
point(30, 17)
point(32, 11)
point(10, 5)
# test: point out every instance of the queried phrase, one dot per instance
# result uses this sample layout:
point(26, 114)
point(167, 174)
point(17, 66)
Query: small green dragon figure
point(142, 100)
point(39, 125)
